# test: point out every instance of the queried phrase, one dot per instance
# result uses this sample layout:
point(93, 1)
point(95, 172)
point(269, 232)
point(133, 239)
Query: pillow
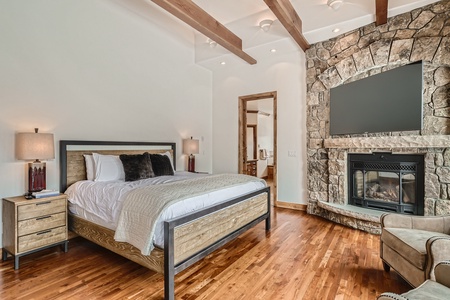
point(108, 167)
point(169, 155)
point(137, 166)
point(89, 163)
point(161, 165)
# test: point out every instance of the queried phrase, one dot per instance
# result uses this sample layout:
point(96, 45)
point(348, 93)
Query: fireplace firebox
point(386, 181)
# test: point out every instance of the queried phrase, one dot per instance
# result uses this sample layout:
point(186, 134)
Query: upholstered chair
point(413, 245)
point(430, 289)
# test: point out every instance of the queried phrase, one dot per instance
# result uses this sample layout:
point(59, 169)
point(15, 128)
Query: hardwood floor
point(303, 257)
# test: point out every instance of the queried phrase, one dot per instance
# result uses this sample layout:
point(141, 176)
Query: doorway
point(258, 153)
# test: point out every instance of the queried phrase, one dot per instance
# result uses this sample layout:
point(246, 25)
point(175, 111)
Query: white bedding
point(101, 202)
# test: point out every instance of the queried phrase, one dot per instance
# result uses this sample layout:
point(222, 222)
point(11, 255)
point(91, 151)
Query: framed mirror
point(252, 142)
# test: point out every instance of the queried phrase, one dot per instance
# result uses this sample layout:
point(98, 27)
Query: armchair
point(439, 289)
point(413, 245)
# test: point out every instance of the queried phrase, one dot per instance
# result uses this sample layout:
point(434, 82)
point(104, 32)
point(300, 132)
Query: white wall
point(284, 73)
point(93, 70)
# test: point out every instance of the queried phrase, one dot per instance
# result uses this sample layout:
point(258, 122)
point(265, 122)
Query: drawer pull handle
point(42, 218)
point(44, 232)
point(42, 203)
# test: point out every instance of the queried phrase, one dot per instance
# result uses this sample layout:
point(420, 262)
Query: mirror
point(252, 142)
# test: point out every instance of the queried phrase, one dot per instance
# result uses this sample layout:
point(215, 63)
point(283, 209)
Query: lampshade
point(35, 146)
point(190, 146)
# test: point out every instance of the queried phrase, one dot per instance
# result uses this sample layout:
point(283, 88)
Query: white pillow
point(167, 153)
point(108, 167)
point(90, 167)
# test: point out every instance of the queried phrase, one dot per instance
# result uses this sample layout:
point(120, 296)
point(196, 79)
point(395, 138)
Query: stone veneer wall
point(422, 34)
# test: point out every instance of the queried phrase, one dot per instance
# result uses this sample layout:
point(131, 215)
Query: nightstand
point(33, 225)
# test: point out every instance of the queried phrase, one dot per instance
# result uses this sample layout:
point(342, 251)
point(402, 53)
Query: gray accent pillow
point(137, 166)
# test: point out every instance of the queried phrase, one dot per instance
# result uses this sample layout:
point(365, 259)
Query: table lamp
point(190, 147)
point(35, 146)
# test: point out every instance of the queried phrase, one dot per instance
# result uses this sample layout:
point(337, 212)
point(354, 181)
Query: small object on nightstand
point(32, 225)
point(45, 193)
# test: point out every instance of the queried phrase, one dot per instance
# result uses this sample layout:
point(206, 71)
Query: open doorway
point(258, 138)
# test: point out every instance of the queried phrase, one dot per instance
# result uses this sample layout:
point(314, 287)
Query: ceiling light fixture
point(223, 63)
point(336, 30)
point(265, 24)
point(334, 4)
point(273, 50)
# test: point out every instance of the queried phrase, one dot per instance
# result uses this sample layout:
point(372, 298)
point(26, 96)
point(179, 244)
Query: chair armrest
point(438, 250)
point(429, 223)
point(390, 296)
point(442, 271)
point(395, 221)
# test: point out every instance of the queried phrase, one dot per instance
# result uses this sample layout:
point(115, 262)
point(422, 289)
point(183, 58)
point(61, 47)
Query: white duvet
point(101, 202)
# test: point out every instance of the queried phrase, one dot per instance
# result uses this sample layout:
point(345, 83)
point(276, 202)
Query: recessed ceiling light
point(223, 63)
point(336, 30)
point(273, 50)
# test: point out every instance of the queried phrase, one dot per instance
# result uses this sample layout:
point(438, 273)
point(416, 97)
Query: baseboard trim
point(291, 205)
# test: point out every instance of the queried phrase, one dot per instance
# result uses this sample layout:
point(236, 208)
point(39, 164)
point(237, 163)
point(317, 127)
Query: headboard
point(72, 167)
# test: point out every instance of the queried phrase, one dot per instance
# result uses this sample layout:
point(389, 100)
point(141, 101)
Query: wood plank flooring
point(303, 257)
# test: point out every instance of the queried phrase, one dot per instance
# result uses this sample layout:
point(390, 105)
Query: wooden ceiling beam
point(287, 15)
point(197, 18)
point(381, 11)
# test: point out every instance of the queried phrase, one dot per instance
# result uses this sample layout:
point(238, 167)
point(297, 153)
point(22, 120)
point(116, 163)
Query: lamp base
point(191, 163)
point(36, 176)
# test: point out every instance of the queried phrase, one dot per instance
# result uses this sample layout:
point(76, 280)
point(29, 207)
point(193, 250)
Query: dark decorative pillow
point(161, 165)
point(137, 166)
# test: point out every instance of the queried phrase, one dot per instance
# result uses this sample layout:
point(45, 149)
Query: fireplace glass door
point(385, 184)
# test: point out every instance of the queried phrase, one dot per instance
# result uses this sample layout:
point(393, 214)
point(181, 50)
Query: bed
point(186, 238)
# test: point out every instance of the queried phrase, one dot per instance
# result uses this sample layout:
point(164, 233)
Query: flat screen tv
point(388, 101)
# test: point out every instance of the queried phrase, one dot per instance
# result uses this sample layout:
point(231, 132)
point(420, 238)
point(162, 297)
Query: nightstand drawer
point(40, 239)
point(45, 208)
point(41, 223)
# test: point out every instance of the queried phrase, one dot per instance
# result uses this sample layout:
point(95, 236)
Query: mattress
point(101, 202)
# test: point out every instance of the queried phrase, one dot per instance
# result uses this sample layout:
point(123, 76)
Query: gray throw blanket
point(143, 206)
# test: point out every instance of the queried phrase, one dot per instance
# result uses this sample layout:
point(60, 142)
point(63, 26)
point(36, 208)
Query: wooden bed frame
point(187, 239)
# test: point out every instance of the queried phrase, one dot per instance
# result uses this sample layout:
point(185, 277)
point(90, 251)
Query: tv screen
point(389, 101)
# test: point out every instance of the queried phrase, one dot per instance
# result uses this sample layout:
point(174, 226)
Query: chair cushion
point(409, 243)
point(429, 290)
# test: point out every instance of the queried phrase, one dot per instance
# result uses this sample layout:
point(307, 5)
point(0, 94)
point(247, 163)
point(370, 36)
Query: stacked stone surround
point(422, 34)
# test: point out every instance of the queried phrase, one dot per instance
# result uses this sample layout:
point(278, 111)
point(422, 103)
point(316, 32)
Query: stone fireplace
point(422, 34)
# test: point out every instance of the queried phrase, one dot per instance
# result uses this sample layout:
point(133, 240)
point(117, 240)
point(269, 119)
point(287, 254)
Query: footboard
point(188, 239)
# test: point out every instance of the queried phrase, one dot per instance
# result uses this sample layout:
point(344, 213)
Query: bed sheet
point(101, 202)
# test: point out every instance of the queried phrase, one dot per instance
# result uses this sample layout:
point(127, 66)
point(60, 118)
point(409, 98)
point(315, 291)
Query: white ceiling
point(242, 17)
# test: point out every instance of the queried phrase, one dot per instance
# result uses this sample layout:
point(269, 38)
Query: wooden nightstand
point(33, 225)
